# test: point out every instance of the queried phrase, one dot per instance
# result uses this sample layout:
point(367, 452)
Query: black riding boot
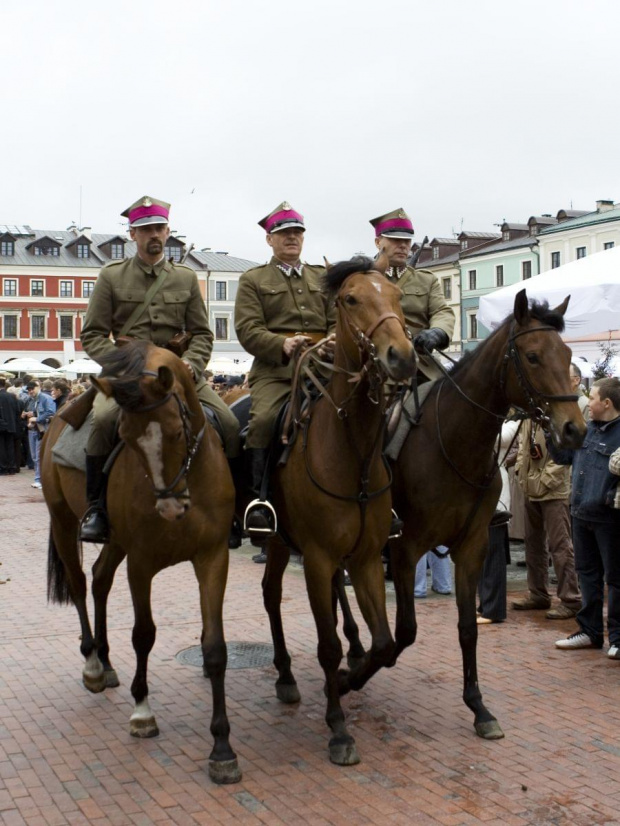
point(260, 517)
point(95, 526)
point(235, 537)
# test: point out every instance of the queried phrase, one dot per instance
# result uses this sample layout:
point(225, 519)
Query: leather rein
point(192, 441)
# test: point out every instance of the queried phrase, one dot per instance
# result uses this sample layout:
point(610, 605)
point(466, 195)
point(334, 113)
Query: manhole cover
point(240, 655)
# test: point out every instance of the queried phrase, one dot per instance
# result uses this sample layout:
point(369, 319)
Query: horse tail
point(57, 583)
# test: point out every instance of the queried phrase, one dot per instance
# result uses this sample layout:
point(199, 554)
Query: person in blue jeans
point(596, 523)
point(39, 410)
point(441, 573)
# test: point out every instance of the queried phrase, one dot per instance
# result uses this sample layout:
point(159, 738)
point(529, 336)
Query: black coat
point(9, 413)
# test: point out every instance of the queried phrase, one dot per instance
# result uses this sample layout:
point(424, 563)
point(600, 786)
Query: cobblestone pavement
point(66, 756)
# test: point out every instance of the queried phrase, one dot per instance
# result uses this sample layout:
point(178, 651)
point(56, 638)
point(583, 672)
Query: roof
point(586, 220)
point(451, 241)
point(489, 235)
point(515, 227)
point(502, 246)
point(222, 262)
point(439, 262)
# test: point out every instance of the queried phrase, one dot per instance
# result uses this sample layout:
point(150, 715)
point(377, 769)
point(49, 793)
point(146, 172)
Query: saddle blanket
point(70, 448)
point(407, 417)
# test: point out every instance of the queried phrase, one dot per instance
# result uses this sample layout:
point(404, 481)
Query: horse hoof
point(95, 683)
point(489, 730)
point(344, 753)
point(223, 772)
point(111, 678)
point(143, 728)
point(287, 693)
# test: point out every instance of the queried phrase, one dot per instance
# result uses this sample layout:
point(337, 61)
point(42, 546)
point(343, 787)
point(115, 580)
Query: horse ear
point(165, 377)
point(561, 308)
point(328, 266)
point(382, 262)
point(521, 309)
point(102, 385)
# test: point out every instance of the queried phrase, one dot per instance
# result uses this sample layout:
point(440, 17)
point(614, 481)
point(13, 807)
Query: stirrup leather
point(266, 531)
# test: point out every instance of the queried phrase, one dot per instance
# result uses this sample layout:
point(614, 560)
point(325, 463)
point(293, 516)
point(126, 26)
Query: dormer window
point(82, 250)
point(44, 246)
point(506, 235)
point(435, 253)
point(464, 244)
point(173, 253)
point(117, 251)
point(7, 244)
point(533, 229)
point(47, 250)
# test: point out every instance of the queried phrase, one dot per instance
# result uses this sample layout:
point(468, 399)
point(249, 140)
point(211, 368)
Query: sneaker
point(530, 604)
point(577, 640)
point(561, 612)
point(37, 485)
point(614, 652)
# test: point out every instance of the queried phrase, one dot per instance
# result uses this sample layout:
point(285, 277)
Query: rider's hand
point(190, 368)
point(328, 348)
point(291, 344)
point(429, 340)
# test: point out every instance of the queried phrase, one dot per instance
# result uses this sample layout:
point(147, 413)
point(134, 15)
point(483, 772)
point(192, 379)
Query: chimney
point(604, 206)
point(73, 228)
point(88, 232)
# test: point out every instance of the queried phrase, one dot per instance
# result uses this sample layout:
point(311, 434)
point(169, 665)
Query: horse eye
point(532, 358)
point(350, 299)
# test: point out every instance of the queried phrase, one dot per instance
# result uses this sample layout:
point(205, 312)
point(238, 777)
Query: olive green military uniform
point(270, 307)
point(424, 306)
point(177, 306)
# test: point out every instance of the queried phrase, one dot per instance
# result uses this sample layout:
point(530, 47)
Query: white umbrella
point(80, 366)
point(28, 365)
point(221, 364)
point(593, 284)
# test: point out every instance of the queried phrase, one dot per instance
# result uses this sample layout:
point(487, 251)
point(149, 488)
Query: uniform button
point(273, 291)
point(155, 316)
point(299, 291)
point(306, 323)
point(302, 307)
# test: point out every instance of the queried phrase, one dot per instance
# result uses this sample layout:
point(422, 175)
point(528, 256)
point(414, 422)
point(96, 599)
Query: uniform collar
point(396, 272)
point(290, 270)
point(149, 269)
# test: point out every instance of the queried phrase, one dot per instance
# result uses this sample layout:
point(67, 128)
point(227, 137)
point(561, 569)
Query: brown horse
point(170, 500)
point(445, 483)
point(332, 496)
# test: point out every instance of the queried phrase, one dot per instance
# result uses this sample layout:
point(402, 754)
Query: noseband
point(192, 442)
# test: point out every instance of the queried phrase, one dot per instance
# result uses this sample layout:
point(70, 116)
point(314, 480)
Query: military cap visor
point(396, 224)
point(147, 211)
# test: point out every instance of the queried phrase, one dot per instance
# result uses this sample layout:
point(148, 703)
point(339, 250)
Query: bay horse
point(170, 500)
point(332, 496)
point(446, 486)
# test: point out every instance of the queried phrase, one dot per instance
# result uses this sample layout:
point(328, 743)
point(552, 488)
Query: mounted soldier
point(280, 307)
point(151, 299)
point(427, 313)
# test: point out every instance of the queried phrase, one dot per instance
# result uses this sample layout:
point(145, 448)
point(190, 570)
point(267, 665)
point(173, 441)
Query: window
point(526, 269)
point(37, 288)
point(506, 235)
point(435, 253)
point(66, 289)
point(173, 253)
point(464, 244)
point(87, 288)
point(220, 291)
point(65, 326)
point(117, 251)
point(10, 286)
point(555, 260)
point(447, 288)
point(83, 250)
point(7, 248)
point(53, 251)
point(473, 326)
point(472, 279)
point(581, 252)
point(37, 326)
point(221, 329)
point(499, 275)
point(609, 245)
point(10, 326)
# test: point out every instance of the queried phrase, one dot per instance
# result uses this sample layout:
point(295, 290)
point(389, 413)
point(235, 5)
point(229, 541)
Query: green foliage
point(603, 365)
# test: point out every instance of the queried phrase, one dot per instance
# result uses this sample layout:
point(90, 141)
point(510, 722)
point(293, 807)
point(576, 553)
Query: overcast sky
point(463, 113)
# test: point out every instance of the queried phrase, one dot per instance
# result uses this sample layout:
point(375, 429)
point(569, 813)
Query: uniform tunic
point(424, 306)
point(270, 307)
point(177, 306)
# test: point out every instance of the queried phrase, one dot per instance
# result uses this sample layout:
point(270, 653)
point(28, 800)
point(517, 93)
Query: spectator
point(441, 574)
point(575, 380)
point(60, 392)
point(46, 386)
point(9, 428)
point(546, 488)
point(38, 413)
point(596, 523)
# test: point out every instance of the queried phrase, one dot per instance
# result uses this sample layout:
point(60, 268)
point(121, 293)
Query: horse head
point(537, 374)
point(159, 418)
point(370, 318)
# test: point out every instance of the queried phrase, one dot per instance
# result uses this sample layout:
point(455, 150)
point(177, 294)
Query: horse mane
point(335, 276)
point(539, 311)
point(124, 367)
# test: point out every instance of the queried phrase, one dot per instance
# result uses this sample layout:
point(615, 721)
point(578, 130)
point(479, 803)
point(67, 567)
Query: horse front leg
point(142, 722)
point(319, 571)
point(351, 630)
point(104, 569)
point(278, 555)
point(211, 569)
point(468, 566)
point(404, 558)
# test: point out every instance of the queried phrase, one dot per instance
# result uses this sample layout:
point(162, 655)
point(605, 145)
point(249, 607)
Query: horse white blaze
point(378, 287)
point(151, 444)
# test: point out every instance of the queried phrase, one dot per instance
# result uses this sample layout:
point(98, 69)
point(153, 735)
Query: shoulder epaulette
point(115, 263)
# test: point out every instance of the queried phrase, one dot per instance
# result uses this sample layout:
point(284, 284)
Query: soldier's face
point(287, 244)
point(150, 239)
point(397, 249)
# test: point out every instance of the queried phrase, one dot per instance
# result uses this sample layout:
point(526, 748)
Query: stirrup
point(102, 536)
point(260, 531)
point(396, 528)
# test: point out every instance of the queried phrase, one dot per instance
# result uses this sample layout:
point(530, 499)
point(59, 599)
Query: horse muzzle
point(400, 365)
point(172, 509)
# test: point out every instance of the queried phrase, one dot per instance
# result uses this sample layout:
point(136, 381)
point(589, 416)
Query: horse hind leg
point(104, 570)
point(356, 651)
point(142, 722)
point(277, 559)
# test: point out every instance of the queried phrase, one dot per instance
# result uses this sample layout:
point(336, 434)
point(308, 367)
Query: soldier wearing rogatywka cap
point(428, 315)
point(175, 308)
point(278, 307)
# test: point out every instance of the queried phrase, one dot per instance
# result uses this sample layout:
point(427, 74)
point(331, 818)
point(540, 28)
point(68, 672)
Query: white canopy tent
point(80, 367)
point(29, 365)
point(593, 284)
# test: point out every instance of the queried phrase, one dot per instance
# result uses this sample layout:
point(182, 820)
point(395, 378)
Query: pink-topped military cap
point(395, 224)
point(283, 217)
point(147, 211)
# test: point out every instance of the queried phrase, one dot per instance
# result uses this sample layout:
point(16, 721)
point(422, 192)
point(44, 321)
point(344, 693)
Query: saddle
point(404, 414)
